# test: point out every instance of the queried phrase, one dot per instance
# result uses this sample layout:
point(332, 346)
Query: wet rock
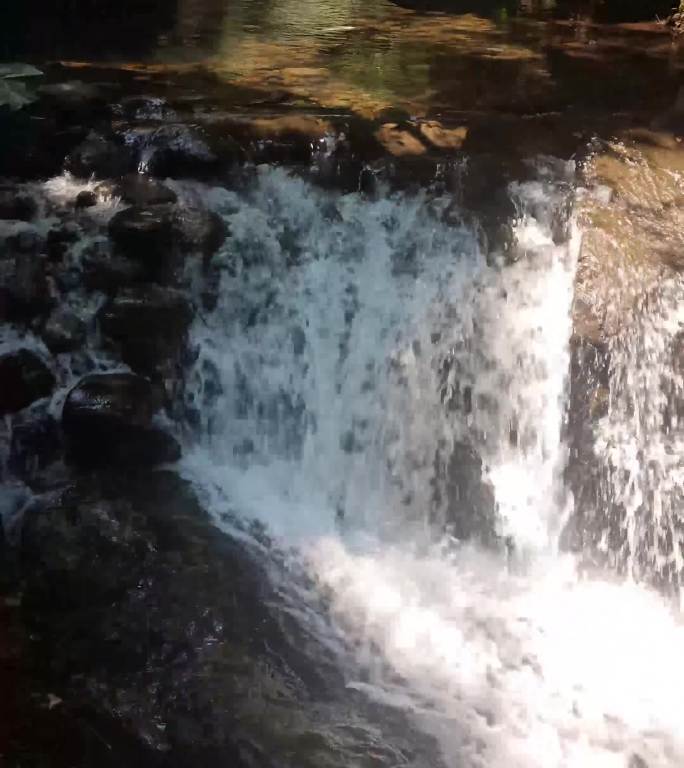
point(24, 378)
point(199, 229)
point(159, 237)
point(138, 190)
point(470, 500)
point(589, 393)
point(99, 157)
point(16, 205)
point(148, 322)
point(165, 636)
point(182, 151)
point(107, 419)
point(64, 331)
point(106, 271)
point(146, 309)
point(144, 234)
point(36, 442)
point(85, 199)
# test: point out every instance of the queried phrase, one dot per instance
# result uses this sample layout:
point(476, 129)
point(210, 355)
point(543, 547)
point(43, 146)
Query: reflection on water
point(422, 57)
point(371, 56)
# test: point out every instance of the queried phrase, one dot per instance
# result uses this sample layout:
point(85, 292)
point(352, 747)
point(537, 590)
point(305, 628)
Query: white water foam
point(322, 392)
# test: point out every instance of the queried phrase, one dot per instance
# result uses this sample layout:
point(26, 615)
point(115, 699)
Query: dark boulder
point(148, 322)
point(107, 419)
point(85, 199)
point(24, 378)
point(148, 310)
point(199, 230)
point(16, 205)
point(175, 150)
point(139, 190)
point(99, 157)
point(159, 236)
point(106, 271)
point(144, 234)
point(162, 632)
point(64, 331)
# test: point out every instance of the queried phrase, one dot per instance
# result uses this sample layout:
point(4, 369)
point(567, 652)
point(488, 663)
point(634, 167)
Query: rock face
point(104, 270)
point(107, 419)
point(24, 378)
point(160, 634)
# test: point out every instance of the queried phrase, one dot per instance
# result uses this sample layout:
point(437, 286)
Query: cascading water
point(358, 352)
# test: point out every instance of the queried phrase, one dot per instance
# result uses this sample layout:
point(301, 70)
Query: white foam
point(337, 319)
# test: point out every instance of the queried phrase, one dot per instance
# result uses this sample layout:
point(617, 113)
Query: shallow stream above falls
point(342, 387)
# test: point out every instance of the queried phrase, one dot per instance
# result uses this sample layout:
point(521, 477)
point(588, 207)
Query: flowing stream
point(371, 378)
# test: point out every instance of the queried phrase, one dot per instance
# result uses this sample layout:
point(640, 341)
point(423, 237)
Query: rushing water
point(385, 392)
point(355, 345)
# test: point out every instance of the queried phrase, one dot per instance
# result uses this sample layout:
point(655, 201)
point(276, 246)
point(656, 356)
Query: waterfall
point(383, 393)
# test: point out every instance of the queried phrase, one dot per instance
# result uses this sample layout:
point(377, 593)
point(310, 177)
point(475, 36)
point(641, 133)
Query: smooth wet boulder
point(139, 190)
point(199, 230)
point(64, 331)
point(99, 157)
point(177, 150)
point(108, 419)
point(85, 199)
point(24, 378)
point(159, 237)
point(144, 234)
point(148, 322)
point(107, 271)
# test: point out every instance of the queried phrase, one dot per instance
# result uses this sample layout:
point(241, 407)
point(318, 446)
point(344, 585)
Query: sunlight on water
point(511, 671)
point(323, 398)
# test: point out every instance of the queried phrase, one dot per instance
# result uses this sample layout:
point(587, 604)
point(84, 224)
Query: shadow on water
point(45, 29)
point(608, 11)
